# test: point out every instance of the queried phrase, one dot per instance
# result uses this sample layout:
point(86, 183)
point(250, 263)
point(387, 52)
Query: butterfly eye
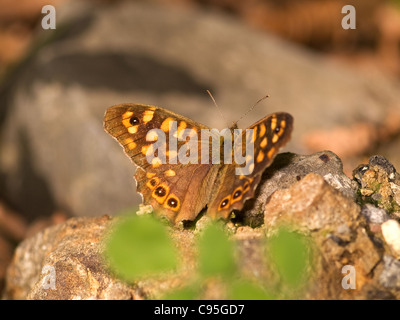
point(237, 194)
point(152, 183)
point(161, 192)
point(172, 202)
point(224, 203)
point(134, 121)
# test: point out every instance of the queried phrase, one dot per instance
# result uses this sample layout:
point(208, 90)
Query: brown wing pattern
point(238, 182)
point(180, 190)
point(176, 190)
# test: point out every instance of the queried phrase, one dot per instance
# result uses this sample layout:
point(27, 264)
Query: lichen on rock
point(379, 184)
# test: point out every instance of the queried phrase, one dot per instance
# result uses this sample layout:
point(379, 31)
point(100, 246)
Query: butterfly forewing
point(137, 127)
point(174, 189)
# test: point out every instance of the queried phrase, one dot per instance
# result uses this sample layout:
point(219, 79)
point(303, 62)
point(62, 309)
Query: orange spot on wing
point(260, 156)
point(166, 125)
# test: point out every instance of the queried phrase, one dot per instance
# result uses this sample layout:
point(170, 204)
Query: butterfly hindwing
point(179, 197)
point(240, 181)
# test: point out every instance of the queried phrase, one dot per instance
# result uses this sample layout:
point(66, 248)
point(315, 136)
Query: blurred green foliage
point(216, 253)
point(290, 255)
point(140, 246)
point(247, 290)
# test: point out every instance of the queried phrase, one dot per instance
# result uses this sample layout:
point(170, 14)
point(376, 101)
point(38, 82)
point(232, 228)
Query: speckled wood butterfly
point(179, 189)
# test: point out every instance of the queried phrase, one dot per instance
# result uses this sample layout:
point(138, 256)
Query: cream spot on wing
point(127, 114)
point(156, 162)
point(148, 116)
point(170, 173)
point(133, 129)
point(126, 123)
point(151, 136)
point(150, 175)
point(251, 167)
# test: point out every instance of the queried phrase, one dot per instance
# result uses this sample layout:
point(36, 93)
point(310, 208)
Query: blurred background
point(310, 23)
point(341, 86)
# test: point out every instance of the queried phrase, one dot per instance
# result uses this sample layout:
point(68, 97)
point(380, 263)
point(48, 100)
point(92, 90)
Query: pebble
point(374, 214)
point(391, 234)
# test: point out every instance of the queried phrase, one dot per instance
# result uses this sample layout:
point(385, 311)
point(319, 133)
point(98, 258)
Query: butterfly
point(180, 171)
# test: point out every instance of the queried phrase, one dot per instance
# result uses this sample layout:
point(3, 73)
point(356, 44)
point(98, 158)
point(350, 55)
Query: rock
point(373, 214)
point(390, 275)
point(162, 56)
point(391, 234)
point(287, 169)
point(302, 196)
point(385, 165)
point(334, 222)
point(72, 252)
point(379, 184)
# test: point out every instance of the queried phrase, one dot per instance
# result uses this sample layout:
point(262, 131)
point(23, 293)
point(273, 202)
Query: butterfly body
point(180, 170)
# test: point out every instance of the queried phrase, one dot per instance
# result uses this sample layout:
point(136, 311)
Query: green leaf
point(246, 290)
point(290, 254)
point(140, 246)
point(216, 252)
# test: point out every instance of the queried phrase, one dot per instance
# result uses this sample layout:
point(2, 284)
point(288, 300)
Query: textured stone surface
point(373, 214)
point(54, 153)
point(289, 168)
point(379, 184)
point(341, 238)
point(74, 252)
point(74, 249)
point(338, 209)
point(333, 223)
point(391, 234)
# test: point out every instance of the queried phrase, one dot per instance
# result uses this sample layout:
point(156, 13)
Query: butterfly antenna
point(215, 103)
point(248, 111)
